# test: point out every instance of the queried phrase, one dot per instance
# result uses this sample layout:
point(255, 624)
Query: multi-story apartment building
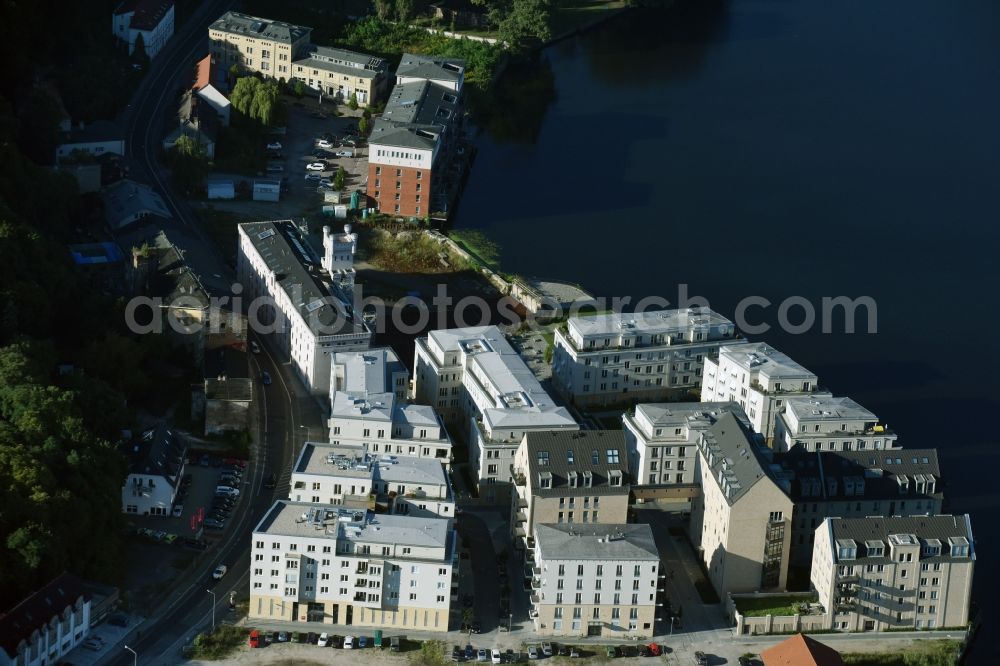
point(758, 377)
point(46, 625)
point(446, 72)
point(594, 580)
point(642, 357)
point(854, 484)
point(662, 439)
point(340, 73)
point(156, 463)
point(291, 294)
point(348, 476)
point(257, 44)
point(476, 381)
point(369, 408)
point(314, 563)
point(415, 135)
point(568, 477)
point(741, 524)
point(828, 423)
point(873, 574)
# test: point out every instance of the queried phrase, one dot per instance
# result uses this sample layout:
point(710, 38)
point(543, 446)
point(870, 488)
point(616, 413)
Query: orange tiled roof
point(800, 650)
point(203, 73)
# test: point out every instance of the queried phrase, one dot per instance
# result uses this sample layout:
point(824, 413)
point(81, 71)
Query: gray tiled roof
point(343, 62)
point(253, 26)
point(579, 445)
point(729, 450)
point(826, 475)
point(298, 271)
point(430, 67)
point(879, 528)
point(590, 542)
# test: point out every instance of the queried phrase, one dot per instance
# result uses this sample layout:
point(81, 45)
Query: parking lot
point(307, 123)
point(160, 548)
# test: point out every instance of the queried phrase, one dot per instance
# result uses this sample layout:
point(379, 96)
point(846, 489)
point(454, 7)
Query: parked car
point(312, 638)
point(316, 166)
point(611, 652)
point(547, 649)
point(265, 378)
point(470, 653)
point(254, 347)
point(274, 145)
point(476, 627)
point(345, 153)
point(219, 572)
point(214, 524)
point(313, 176)
point(362, 641)
point(255, 639)
point(495, 656)
point(295, 637)
point(324, 143)
point(348, 642)
point(456, 653)
point(323, 640)
point(562, 650)
point(532, 652)
point(482, 655)
point(226, 490)
point(574, 653)
point(270, 481)
point(700, 658)
point(274, 168)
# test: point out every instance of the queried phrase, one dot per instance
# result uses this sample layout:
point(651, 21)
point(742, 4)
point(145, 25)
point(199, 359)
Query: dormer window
point(847, 549)
point(959, 546)
point(615, 479)
point(545, 480)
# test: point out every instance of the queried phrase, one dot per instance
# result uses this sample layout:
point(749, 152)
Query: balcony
point(536, 583)
point(536, 599)
point(522, 503)
point(519, 517)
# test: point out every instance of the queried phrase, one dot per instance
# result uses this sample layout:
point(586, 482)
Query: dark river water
point(783, 149)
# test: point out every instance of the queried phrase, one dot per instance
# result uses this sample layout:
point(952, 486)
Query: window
point(612, 456)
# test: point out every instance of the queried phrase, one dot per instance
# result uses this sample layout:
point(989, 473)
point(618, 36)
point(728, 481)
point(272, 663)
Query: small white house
point(156, 464)
point(96, 139)
point(266, 189)
point(153, 20)
point(221, 189)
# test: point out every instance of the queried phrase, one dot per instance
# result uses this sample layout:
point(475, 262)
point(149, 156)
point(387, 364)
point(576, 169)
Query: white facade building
point(758, 377)
point(155, 469)
point(594, 580)
point(310, 310)
point(475, 379)
point(338, 253)
point(152, 19)
point(873, 574)
point(47, 625)
point(351, 477)
point(641, 357)
point(662, 439)
point(351, 567)
point(369, 409)
point(828, 423)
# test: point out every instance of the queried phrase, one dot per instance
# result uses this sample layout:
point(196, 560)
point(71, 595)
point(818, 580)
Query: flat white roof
point(652, 322)
point(302, 519)
point(828, 408)
point(765, 359)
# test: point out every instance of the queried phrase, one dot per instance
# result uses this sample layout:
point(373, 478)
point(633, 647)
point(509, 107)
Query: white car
point(274, 145)
point(219, 572)
point(345, 153)
point(348, 642)
point(227, 491)
point(316, 166)
point(323, 143)
point(495, 656)
point(325, 182)
point(324, 640)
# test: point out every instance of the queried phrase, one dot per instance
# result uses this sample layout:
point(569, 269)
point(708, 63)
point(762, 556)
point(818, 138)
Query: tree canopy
point(257, 99)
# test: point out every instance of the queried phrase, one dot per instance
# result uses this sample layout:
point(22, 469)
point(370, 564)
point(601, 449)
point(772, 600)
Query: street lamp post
point(213, 609)
point(672, 618)
point(135, 656)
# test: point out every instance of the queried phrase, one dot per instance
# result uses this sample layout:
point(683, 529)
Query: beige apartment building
point(568, 478)
point(257, 44)
point(874, 574)
point(341, 74)
point(594, 580)
point(741, 524)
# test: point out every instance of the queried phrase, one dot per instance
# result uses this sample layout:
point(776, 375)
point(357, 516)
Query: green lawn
point(777, 606)
point(921, 653)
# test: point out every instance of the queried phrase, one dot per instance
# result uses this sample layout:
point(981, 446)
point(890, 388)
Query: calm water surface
point(781, 148)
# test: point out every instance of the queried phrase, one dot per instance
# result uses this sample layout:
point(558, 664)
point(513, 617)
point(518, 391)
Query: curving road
point(286, 411)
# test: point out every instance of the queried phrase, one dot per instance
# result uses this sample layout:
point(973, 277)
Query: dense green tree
point(188, 163)
point(363, 126)
point(352, 103)
point(404, 10)
point(139, 50)
point(340, 178)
